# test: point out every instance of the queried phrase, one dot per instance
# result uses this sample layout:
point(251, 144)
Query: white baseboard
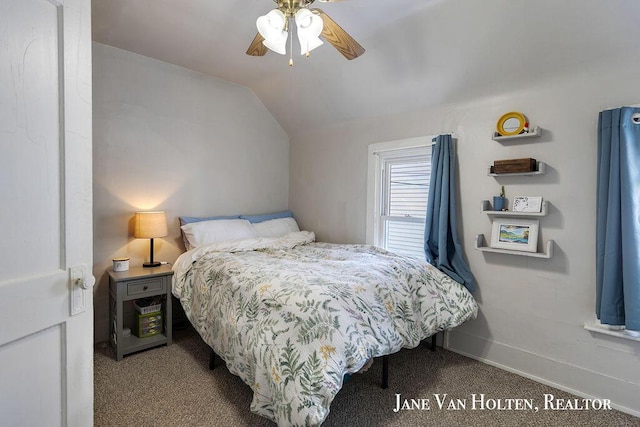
point(558, 374)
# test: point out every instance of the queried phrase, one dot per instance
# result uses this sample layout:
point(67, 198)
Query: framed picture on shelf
point(515, 234)
point(530, 204)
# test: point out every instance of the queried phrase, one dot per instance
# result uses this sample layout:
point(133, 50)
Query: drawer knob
point(144, 288)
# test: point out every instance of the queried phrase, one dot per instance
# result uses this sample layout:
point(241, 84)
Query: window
point(405, 188)
point(398, 191)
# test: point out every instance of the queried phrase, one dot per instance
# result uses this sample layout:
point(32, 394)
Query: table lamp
point(149, 225)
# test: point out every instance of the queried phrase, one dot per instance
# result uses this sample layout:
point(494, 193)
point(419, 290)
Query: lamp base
point(151, 264)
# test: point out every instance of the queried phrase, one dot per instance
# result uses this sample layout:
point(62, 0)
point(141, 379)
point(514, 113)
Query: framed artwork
point(527, 204)
point(515, 234)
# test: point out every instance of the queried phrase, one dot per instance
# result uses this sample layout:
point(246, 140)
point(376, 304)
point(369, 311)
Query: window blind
point(405, 192)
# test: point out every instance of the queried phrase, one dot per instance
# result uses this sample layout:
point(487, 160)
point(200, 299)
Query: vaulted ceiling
point(419, 53)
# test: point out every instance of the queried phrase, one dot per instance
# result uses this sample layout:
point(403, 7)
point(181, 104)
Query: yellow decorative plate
point(512, 123)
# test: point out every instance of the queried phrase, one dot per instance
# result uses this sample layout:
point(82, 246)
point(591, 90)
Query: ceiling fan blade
point(339, 38)
point(256, 48)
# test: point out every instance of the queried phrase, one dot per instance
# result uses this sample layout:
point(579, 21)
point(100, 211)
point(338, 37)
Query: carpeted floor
point(172, 386)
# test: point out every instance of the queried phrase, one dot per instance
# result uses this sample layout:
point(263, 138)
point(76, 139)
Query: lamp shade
point(272, 28)
point(149, 225)
point(309, 30)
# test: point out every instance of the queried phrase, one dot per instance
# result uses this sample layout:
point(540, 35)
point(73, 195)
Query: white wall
point(170, 139)
point(532, 310)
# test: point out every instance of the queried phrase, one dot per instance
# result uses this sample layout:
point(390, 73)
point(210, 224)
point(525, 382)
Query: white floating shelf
point(533, 133)
point(482, 246)
point(486, 208)
point(542, 169)
point(603, 329)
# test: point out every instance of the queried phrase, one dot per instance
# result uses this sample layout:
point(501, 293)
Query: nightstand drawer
point(143, 286)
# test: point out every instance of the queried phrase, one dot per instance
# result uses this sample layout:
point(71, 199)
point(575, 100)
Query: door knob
point(82, 277)
point(87, 282)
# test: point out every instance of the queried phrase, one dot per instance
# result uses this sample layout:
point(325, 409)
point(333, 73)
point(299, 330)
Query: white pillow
point(219, 230)
point(275, 227)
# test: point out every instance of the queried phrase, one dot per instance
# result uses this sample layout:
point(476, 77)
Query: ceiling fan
point(274, 29)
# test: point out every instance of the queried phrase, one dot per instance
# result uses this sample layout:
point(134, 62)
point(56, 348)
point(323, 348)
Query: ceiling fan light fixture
point(272, 28)
point(278, 46)
point(308, 45)
point(309, 29)
point(310, 23)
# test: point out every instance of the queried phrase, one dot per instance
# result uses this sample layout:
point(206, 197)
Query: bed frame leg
point(385, 363)
point(431, 346)
point(212, 359)
point(385, 372)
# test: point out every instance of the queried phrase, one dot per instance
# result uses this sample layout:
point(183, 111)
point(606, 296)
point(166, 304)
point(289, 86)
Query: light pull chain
point(291, 46)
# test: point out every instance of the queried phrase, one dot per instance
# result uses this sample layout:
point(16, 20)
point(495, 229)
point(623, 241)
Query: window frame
point(378, 153)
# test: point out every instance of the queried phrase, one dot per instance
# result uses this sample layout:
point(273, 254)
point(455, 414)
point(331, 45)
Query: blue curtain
point(441, 243)
point(618, 218)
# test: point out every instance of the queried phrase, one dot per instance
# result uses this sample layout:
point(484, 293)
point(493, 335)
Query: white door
point(46, 318)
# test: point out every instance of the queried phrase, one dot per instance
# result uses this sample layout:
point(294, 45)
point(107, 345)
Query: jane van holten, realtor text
point(480, 402)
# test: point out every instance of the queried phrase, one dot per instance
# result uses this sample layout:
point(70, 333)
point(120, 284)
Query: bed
point(291, 316)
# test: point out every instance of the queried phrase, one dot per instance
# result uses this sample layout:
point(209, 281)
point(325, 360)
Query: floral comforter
point(291, 317)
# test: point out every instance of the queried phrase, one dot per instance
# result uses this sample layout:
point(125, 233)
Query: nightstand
point(136, 283)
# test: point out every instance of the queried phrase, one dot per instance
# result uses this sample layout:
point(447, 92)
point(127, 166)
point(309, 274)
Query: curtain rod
point(430, 138)
point(620, 106)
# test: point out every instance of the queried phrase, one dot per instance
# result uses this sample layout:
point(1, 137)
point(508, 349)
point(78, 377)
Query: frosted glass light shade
point(271, 28)
point(148, 225)
point(278, 46)
point(309, 30)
